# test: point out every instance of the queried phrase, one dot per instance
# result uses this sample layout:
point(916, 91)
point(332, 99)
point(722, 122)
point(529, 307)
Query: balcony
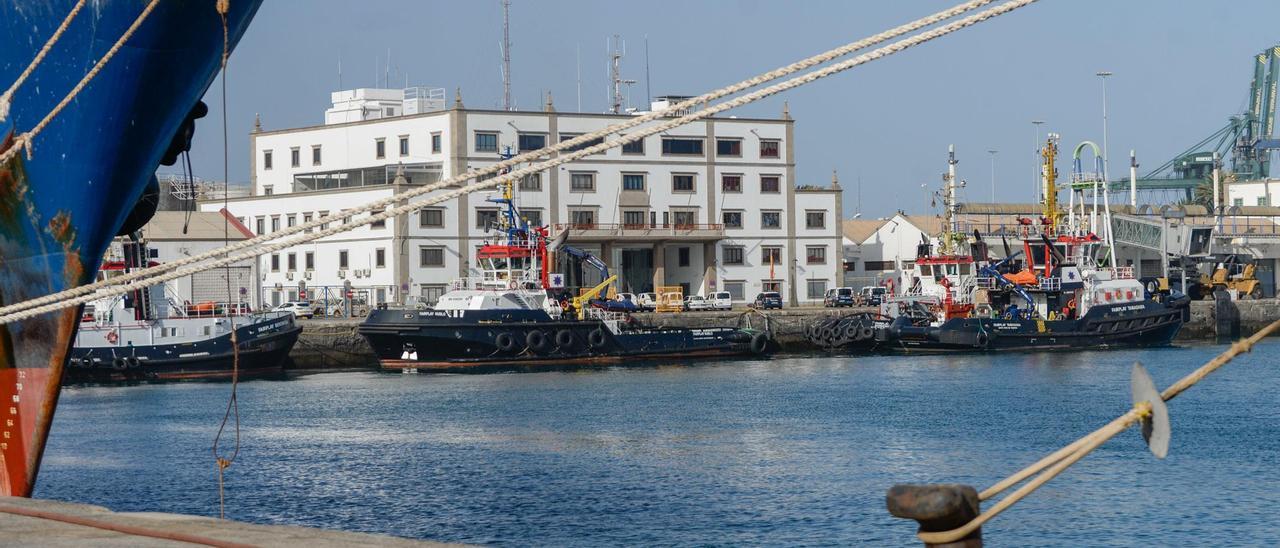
point(644, 232)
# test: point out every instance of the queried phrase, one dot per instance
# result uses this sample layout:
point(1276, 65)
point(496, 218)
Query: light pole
point(1106, 167)
point(993, 153)
point(1035, 181)
point(925, 188)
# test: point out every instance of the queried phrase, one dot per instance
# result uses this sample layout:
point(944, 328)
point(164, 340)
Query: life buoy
point(112, 336)
point(1071, 304)
point(596, 338)
point(564, 338)
point(759, 343)
point(505, 342)
point(537, 341)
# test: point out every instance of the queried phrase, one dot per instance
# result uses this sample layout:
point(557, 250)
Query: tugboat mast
point(951, 236)
point(1049, 174)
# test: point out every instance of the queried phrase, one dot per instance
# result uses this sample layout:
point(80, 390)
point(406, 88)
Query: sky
point(1181, 68)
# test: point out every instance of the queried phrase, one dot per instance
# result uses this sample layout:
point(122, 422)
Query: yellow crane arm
point(580, 302)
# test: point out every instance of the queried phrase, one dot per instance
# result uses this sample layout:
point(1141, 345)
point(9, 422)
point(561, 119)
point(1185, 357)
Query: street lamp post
point(1106, 166)
point(993, 153)
point(1035, 181)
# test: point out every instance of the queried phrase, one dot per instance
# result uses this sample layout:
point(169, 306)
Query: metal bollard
point(940, 507)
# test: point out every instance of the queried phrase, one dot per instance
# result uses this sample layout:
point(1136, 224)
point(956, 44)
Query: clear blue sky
point(1181, 68)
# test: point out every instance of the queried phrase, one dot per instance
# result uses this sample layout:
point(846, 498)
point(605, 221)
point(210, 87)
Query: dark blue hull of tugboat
point(263, 350)
point(432, 340)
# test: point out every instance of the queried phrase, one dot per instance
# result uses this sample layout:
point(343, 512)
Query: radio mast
point(506, 55)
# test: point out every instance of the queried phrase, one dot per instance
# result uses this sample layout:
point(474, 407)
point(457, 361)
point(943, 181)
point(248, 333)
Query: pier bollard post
point(940, 507)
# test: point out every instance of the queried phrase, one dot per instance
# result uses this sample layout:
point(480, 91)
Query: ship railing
point(613, 320)
point(985, 282)
point(216, 309)
point(1052, 283)
point(1122, 273)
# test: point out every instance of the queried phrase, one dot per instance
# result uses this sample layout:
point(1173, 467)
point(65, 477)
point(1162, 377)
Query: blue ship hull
point(60, 208)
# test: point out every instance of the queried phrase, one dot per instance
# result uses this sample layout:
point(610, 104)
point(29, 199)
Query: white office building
point(710, 206)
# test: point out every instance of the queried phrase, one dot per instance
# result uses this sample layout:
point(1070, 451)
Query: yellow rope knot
point(224, 6)
point(223, 464)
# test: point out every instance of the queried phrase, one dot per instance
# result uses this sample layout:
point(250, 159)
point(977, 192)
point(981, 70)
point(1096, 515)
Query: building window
point(734, 255)
point(315, 155)
point(486, 142)
point(632, 181)
point(731, 219)
point(342, 259)
point(295, 157)
point(430, 256)
point(771, 285)
point(531, 141)
point(531, 182)
point(677, 146)
point(737, 290)
point(634, 147)
point(817, 289)
point(769, 148)
point(262, 225)
point(292, 261)
point(390, 112)
point(770, 219)
point(431, 293)
point(404, 145)
point(582, 182)
point(292, 221)
point(816, 254)
point(682, 254)
point(684, 218)
point(268, 190)
point(266, 159)
point(633, 219)
point(324, 226)
point(275, 223)
point(815, 219)
point(771, 255)
point(729, 147)
point(731, 183)
point(770, 183)
point(1262, 200)
point(309, 260)
point(682, 183)
point(532, 216)
point(379, 148)
point(380, 258)
point(877, 265)
point(486, 218)
point(275, 262)
point(435, 143)
point(566, 136)
point(380, 224)
point(306, 218)
point(430, 218)
point(583, 218)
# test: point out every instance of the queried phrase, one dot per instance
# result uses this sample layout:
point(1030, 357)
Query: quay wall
point(327, 344)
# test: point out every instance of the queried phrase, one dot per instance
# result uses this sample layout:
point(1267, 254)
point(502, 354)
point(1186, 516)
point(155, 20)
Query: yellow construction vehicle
point(1235, 272)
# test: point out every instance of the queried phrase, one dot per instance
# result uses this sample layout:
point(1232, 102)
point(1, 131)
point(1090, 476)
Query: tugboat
point(1066, 293)
point(507, 316)
point(146, 335)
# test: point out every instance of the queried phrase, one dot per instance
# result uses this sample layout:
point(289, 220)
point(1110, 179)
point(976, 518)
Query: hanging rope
point(1062, 459)
point(565, 146)
point(233, 403)
point(26, 139)
point(6, 98)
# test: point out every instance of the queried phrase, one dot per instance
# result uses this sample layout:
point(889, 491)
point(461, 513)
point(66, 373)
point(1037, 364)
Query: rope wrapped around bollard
point(949, 514)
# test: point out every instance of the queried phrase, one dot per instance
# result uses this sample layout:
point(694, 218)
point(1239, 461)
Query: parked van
point(840, 296)
point(721, 300)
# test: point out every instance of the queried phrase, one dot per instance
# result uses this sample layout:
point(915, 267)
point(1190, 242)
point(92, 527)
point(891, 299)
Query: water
point(788, 451)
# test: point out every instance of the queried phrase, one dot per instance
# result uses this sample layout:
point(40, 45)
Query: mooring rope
point(26, 140)
point(7, 97)
point(1060, 460)
point(132, 530)
point(157, 274)
point(565, 146)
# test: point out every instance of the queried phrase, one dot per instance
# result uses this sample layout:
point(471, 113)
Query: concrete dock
point(22, 530)
point(329, 344)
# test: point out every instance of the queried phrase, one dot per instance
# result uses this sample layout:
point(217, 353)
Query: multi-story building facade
point(710, 206)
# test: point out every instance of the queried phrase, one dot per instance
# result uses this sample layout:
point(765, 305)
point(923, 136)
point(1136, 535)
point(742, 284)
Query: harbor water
point(784, 451)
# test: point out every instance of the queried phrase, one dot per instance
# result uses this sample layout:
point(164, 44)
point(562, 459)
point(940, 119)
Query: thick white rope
point(26, 139)
point(495, 168)
point(228, 258)
point(7, 97)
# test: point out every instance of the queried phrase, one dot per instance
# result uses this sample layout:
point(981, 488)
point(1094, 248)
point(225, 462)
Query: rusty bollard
point(940, 507)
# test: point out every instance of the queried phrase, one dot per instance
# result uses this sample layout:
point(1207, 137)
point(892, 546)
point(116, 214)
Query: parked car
point(721, 300)
point(871, 295)
point(767, 300)
point(300, 309)
point(647, 301)
point(840, 296)
point(696, 302)
point(338, 307)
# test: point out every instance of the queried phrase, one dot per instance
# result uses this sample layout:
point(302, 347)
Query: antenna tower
point(506, 55)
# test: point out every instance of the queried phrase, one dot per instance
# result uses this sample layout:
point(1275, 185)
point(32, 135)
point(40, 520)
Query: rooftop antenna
point(615, 74)
point(339, 72)
point(386, 70)
point(506, 55)
point(648, 90)
point(578, 51)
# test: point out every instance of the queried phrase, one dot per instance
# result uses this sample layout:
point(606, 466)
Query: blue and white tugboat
point(147, 335)
point(507, 317)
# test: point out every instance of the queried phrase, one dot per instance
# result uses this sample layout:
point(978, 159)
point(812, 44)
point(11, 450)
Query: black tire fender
point(759, 343)
point(596, 338)
point(118, 364)
point(564, 338)
point(866, 332)
point(982, 340)
point(537, 341)
point(505, 341)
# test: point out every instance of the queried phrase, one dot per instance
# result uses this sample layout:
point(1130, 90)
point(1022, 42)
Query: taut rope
point(7, 97)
